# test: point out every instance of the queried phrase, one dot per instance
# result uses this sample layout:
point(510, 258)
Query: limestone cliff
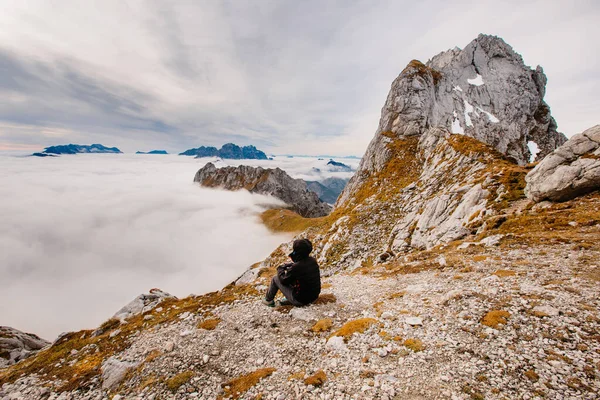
point(274, 182)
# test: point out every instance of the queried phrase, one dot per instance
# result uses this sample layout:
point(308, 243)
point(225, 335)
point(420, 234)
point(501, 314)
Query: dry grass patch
point(325, 299)
point(297, 376)
point(532, 376)
point(355, 326)
point(178, 380)
point(495, 318)
point(281, 220)
point(237, 386)
point(317, 379)
point(209, 324)
point(322, 326)
point(503, 273)
point(415, 345)
point(396, 295)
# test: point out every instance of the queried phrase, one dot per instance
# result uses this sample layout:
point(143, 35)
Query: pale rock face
point(569, 171)
point(485, 91)
point(274, 182)
point(114, 371)
point(16, 345)
point(142, 304)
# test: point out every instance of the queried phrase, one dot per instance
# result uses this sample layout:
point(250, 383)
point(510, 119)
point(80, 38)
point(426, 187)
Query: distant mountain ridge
point(77, 149)
point(152, 152)
point(328, 189)
point(228, 151)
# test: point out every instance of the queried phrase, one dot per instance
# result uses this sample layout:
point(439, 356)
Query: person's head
point(301, 249)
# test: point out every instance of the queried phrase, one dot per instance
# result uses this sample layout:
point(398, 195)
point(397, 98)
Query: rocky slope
point(274, 182)
point(441, 279)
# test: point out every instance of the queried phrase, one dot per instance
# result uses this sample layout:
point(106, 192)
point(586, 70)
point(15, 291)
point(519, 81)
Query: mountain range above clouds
point(452, 268)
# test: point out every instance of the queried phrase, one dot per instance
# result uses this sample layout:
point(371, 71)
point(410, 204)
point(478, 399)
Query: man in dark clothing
point(300, 281)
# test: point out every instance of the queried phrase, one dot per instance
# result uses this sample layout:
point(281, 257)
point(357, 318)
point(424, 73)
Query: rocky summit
point(451, 269)
point(274, 182)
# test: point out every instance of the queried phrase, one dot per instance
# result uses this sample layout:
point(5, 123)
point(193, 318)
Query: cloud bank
point(304, 77)
point(81, 236)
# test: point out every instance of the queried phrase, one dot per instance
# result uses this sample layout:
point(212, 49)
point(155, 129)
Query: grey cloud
point(269, 72)
point(57, 93)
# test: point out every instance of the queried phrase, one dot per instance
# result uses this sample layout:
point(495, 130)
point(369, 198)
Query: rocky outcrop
point(16, 345)
point(484, 91)
point(274, 182)
point(141, 304)
point(569, 171)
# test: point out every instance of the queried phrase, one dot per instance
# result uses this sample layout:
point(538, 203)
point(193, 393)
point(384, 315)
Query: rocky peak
point(484, 91)
point(274, 182)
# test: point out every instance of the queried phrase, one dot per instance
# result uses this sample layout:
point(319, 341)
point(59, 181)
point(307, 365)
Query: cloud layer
point(81, 236)
point(289, 77)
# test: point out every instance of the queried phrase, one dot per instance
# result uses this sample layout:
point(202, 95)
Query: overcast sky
point(303, 77)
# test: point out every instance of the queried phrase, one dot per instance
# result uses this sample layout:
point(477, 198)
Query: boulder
point(16, 345)
point(569, 171)
point(114, 371)
point(142, 304)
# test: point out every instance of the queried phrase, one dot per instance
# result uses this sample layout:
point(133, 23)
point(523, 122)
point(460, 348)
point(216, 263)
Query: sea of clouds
point(82, 235)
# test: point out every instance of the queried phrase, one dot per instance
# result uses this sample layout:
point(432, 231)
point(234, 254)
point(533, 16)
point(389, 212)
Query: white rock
point(113, 372)
point(387, 315)
point(336, 344)
point(414, 321)
point(548, 310)
point(302, 314)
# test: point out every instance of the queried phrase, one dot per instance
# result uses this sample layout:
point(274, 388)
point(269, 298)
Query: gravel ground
point(431, 337)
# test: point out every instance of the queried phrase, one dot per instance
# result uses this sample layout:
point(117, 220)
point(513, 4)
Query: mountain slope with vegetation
point(441, 279)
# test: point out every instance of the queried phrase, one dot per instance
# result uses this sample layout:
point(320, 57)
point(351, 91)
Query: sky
point(290, 77)
point(113, 226)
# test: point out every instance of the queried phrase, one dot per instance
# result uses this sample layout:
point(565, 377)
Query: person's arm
point(287, 272)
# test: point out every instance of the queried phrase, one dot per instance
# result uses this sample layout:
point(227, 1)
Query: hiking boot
point(284, 302)
point(268, 303)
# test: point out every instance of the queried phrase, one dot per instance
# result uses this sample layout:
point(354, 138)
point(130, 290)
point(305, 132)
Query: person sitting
point(299, 281)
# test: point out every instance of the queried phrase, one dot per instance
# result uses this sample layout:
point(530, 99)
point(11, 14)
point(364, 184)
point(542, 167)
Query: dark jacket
point(304, 276)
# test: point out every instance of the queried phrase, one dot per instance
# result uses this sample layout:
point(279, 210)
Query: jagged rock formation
point(79, 148)
point(569, 171)
point(16, 345)
point(419, 184)
point(228, 151)
point(485, 91)
point(274, 182)
point(328, 189)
